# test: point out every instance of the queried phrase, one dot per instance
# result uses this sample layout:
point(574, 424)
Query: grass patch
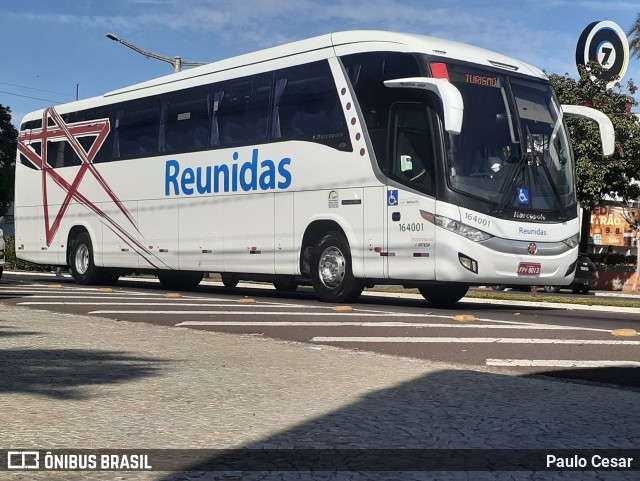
point(583, 301)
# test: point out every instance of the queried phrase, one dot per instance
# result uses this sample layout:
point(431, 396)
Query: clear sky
point(50, 48)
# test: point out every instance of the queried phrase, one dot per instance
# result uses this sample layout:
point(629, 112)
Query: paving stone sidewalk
point(79, 382)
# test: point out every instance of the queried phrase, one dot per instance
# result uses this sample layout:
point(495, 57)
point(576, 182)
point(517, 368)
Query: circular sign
point(606, 43)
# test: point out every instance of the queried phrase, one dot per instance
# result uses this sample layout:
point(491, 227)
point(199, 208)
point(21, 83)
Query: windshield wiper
point(518, 167)
point(554, 189)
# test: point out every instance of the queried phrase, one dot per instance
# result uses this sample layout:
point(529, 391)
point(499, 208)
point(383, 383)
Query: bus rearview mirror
point(449, 94)
point(607, 132)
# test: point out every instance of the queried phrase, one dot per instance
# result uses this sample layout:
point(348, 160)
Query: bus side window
point(241, 111)
point(308, 107)
point(185, 121)
point(61, 154)
point(367, 73)
point(26, 131)
point(412, 156)
point(136, 129)
point(87, 142)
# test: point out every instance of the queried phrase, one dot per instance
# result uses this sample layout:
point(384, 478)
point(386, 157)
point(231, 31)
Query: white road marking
point(149, 304)
point(559, 363)
point(108, 296)
point(474, 340)
point(260, 313)
point(379, 324)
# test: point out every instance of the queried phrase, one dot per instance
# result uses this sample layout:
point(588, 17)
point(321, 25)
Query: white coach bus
point(346, 160)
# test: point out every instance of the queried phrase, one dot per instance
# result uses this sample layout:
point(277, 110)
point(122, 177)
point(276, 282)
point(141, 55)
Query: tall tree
point(8, 144)
point(634, 37)
point(597, 176)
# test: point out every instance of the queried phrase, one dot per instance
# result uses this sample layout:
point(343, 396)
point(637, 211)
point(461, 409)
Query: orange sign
point(609, 227)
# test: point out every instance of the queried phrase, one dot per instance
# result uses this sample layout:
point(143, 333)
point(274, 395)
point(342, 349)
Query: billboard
point(609, 227)
point(605, 43)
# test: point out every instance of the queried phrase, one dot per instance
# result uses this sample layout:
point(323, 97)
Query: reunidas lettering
point(536, 231)
point(247, 176)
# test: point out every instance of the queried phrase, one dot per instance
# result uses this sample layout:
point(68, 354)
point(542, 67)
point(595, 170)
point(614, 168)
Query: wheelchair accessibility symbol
point(392, 197)
point(523, 196)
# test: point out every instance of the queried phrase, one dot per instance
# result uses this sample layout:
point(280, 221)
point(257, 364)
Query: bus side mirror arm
point(451, 97)
point(607, 132)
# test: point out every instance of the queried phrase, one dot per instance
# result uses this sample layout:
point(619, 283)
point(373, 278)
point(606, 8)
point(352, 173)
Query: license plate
point(584, 268)
point(528, 269)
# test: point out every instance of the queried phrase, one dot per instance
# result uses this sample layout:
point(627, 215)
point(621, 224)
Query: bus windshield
point(513, 151)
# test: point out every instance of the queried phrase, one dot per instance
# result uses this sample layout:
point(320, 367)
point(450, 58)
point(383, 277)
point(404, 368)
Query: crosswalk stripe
point(559, 363)
point(474, 340)
point(376, 324)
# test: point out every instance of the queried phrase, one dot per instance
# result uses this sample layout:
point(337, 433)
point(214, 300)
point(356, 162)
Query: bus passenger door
point(410, 193)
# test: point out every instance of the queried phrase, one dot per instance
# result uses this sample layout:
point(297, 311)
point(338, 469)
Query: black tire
point(229, 280)
point(552, 289)
point(443, 295)
point(180, 280)
point(285, 284)
point(498, 288)
point(1, 270)
point(109, 277)
point(83, 268)
point(331, 270)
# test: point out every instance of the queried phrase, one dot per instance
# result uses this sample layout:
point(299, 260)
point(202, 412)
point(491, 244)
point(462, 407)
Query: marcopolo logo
point(251, 175)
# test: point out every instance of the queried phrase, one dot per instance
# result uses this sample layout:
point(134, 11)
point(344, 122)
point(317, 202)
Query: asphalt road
point(563, 342)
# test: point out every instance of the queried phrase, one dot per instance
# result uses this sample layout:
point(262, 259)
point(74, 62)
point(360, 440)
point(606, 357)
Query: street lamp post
point(177, 62)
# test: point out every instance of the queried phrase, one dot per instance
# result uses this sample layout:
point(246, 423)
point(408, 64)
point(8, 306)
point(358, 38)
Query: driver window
point(412, 157)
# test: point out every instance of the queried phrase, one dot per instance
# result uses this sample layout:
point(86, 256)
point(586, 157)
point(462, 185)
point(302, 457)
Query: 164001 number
point(411, 227)
point(476, 219)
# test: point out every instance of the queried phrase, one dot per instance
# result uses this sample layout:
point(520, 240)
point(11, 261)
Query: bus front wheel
point(331, 270)
point(442, 295)
point(83, 268)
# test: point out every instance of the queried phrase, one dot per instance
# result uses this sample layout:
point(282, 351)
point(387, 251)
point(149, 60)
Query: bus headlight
point(464, 230)
point(572, 241)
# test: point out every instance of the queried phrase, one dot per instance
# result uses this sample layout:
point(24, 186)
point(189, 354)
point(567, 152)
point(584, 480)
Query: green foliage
point(634, 37)
point(12, 262)
point(8, 145)
point(599, 176)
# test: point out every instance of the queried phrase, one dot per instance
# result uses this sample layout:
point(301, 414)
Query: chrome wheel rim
point(82, 259)
point(331, 267)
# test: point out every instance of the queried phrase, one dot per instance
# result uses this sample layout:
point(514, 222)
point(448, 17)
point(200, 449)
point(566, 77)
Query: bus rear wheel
point(180, 280)
point(443, 295)
point(83, 268)
point(285, 284)
point(331, 270)
point(229, 280)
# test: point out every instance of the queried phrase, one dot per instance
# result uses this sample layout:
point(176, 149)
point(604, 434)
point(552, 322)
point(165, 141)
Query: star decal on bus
point(55, 129)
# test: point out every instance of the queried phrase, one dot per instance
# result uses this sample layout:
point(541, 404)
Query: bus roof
point(367, 39)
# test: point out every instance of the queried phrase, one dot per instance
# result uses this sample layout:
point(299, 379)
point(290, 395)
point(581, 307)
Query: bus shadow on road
point(448, 411)
point(614, 376)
